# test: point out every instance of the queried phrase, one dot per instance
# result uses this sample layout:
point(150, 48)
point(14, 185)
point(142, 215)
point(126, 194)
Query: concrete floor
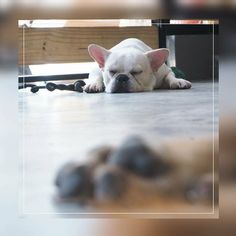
point(60, 126)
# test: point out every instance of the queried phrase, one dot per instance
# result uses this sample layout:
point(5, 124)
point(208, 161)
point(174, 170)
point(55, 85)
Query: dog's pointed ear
point(157, 57)
point(99, 54)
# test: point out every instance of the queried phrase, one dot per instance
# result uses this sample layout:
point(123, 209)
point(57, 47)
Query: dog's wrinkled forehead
point(126, 60)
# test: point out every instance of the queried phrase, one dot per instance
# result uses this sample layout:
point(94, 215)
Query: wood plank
point(92, 23)
point(67, 45)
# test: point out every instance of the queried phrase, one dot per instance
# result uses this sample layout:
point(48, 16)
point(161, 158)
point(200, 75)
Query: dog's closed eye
point(134, 73)
point(113, 72)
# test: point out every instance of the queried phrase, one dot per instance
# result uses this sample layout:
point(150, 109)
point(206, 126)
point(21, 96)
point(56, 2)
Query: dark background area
point(194, 55)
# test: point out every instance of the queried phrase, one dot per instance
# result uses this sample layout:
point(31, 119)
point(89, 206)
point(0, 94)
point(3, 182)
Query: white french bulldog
point(131, 66)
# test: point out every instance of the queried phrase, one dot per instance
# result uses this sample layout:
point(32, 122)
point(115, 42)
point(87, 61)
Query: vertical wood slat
point(69, 44)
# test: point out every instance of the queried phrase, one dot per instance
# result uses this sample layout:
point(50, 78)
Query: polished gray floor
point(59, 126)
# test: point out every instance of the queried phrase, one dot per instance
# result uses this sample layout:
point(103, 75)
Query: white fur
point(130, 55)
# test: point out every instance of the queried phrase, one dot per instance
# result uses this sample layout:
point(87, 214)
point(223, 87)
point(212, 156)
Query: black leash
point(77, 86)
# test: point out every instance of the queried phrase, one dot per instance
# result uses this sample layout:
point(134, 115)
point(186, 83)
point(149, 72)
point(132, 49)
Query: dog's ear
point(157, 57)
point(99, 54)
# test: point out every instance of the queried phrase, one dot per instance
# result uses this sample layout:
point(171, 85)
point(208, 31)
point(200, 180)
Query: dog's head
point(128, 69)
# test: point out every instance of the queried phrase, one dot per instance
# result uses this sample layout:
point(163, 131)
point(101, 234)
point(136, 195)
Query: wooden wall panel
point(67, 45)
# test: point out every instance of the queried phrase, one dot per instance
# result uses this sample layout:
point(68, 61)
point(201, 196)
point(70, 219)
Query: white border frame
point(213, 213)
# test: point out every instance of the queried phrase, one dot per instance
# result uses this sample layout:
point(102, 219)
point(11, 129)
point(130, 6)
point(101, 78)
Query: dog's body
point(131, 66)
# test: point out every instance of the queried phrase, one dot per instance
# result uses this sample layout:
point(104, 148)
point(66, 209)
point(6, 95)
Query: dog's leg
point(95, 84)
point(172, 82)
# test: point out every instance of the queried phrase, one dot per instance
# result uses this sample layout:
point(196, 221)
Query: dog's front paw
point(94, 88)
point(180, 84)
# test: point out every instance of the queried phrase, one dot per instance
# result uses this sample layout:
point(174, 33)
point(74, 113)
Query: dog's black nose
point(122, 78)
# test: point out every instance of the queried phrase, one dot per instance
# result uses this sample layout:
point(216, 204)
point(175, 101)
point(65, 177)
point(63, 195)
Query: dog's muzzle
point(121, 84)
